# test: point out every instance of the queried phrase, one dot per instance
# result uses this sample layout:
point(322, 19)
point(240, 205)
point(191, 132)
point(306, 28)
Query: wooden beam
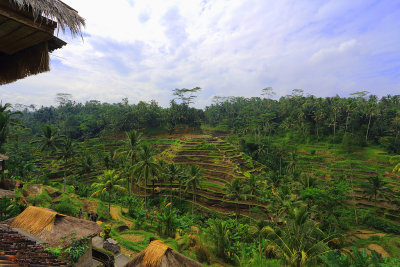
point(27, 41)
point(12, 38)
point(24, 17)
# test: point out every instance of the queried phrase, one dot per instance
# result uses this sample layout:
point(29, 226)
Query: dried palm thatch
point(27, 35)
point(53, 10)
point(158, 254)
point(154, 253)
point(27, 62)
point(3, 157)
point(53, 228)
point(35, 219)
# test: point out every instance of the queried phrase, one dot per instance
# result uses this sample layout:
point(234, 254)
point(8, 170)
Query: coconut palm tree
point(219, 233)
point(130, 150)
point(236, 192)
point(375, 188)
point(194, 177)
point(49, 139)
point(6, 119)
point(172, 172)
point(300, 242)
point(181, 177)
point(146, 168)
point(66, 152)
point(109, 182)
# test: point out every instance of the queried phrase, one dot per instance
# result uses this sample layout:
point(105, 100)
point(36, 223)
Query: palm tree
point(172, 173)
point(395, 160)
point(130, 150)
point(219, 234)
point(66, 152)
point(300, 242)
point(235, 192)
point(5, 121)
point(194, 177)
point(109, 182)
point(374, 189)
point(49, 139)
point(253, 187)
point(146, 168)
point(181, 177)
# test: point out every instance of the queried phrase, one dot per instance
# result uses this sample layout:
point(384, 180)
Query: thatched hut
point(3, 159)
point(27, 35)
point(158, 254)
point(55, 229)
point(6, 193)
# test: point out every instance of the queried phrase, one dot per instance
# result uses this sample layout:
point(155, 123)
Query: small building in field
point(19, 250)
point(158, 254)
point(27, 35)
point(53, 229)
point(3, 159)
point(6, 193)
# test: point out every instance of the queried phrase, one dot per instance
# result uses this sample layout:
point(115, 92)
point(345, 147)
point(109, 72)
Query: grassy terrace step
point(219, 201)
point(221, 175)
point(212, 167)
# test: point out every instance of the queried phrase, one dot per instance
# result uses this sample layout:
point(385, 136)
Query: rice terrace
point(146, 133)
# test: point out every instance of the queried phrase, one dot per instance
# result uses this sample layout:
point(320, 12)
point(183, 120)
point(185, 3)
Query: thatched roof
point(3, 157)
point(27, 35)
point(52, 227)
point(64, 15)
point(6, 193)
point(158, 254)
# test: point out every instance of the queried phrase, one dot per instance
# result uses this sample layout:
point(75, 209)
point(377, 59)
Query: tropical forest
point(297, 180)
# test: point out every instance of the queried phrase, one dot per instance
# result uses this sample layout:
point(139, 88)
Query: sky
point(143, 50)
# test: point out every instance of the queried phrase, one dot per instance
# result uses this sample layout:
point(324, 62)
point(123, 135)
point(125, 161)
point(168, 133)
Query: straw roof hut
point(3, 157)
point(52, 227)
point(158, 254)
point(27, 35)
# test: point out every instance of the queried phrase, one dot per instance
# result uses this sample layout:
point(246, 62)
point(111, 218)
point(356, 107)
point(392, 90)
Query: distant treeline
point(358, 120)
point(93, 119)
point(355, 120)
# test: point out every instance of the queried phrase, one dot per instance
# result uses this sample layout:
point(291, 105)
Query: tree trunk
point(347, 120)
point(375, 209)
point(194, 201)
point(170, 191)
point(352, 193)
point(369, 122)
point(109, 202)
point(145, 192)
point(334, 129)
point(65, 180)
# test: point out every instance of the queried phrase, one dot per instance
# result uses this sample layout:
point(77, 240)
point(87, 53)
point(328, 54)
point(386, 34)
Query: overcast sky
point(144, 49)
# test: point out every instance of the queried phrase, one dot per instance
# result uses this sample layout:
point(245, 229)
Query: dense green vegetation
point(297, 181)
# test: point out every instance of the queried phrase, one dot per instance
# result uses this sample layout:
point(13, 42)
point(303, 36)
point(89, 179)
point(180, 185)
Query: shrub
point(102, 211)
point(67, 205)
point(106, 231)
point(42, 200)
point(57, 251)
point(77, 249)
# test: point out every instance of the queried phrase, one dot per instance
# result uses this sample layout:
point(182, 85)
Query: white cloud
point(144, 49)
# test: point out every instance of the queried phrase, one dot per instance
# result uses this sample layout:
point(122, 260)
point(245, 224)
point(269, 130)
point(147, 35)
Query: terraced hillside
point(222, 163)
point(328, 162)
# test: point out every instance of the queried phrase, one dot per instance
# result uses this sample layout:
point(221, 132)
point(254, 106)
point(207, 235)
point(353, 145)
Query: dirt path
point(115, 215)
